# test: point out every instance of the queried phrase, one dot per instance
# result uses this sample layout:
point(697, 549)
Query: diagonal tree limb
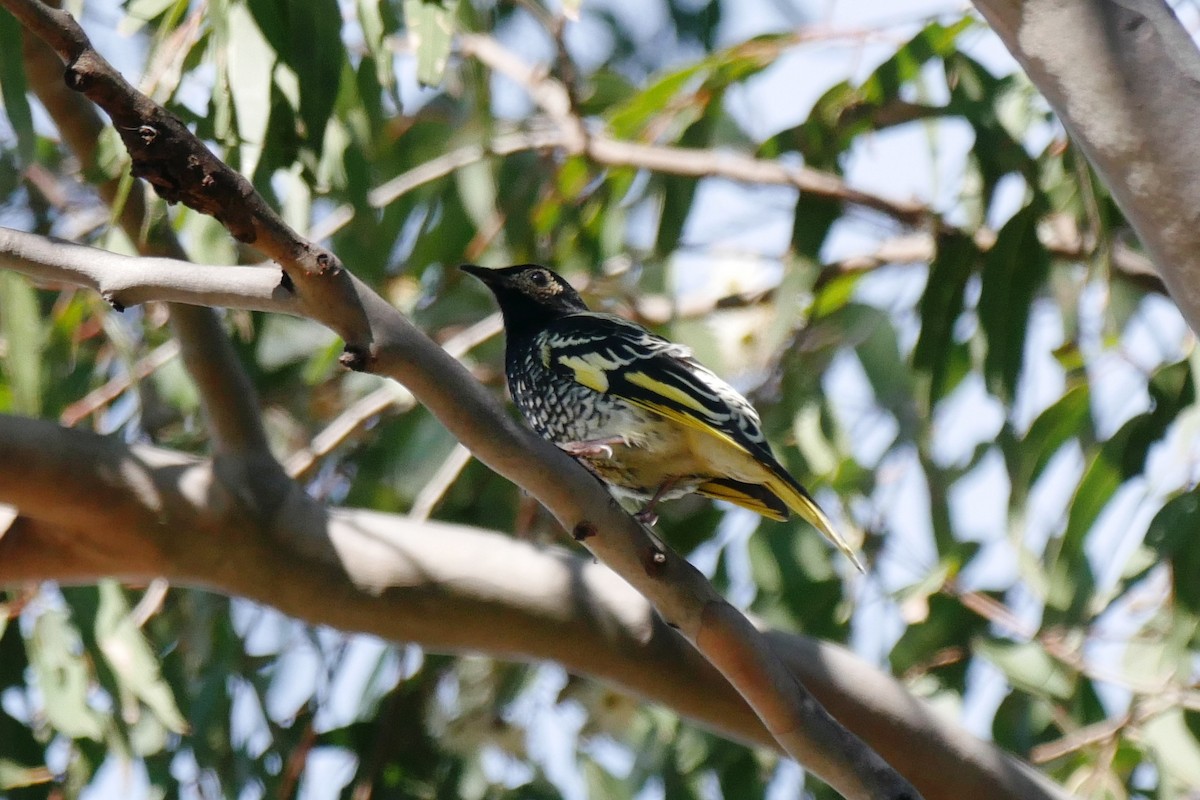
point(381, 340)
point(1124, 78)
point(97, 506)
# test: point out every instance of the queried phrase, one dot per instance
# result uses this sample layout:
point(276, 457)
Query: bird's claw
point(602, 448)
point(647, 517)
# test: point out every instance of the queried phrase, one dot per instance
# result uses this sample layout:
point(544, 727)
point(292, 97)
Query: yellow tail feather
point(799, 501)
point(719, 490)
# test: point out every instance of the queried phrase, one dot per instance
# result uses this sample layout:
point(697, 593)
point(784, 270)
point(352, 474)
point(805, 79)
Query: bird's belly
point(647, 451)
point(637, 451)
point(641, 465)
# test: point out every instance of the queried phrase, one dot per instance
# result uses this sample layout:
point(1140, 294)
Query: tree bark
point(1124, 78)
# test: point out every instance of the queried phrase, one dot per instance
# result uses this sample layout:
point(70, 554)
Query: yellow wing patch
point(686, 419)
point(589, 369)
point(666, 390)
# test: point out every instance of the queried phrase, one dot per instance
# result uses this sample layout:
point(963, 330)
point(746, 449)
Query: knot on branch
point(583, 531)
point(654, 561)
point(166, 154)
point(113, 302)
point(357, 357)
point(77, 77)
point(326, 262)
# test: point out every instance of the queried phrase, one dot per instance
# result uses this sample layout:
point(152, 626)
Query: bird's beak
point(489, 276)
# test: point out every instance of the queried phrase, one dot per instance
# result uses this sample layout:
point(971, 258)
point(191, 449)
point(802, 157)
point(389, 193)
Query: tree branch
point(229, 401)
point(96, 506)
point(1108, 67)
point(125, 281)
point(553, 98)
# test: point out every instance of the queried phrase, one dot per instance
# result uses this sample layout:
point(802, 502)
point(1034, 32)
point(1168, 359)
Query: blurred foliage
point(1010, 426)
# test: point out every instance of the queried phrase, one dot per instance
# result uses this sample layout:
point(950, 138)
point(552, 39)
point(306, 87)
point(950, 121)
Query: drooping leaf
point(251, 60)
point(430, 26)
point(1014, 269)
point(1029, 667)
point(63, 677)
point(12, 88)
point(131, 659)
point(940, 307)
point(21, 327)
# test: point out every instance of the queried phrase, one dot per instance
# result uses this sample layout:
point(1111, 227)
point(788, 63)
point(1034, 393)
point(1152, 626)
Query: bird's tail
point(758, 499)
point(800, 501)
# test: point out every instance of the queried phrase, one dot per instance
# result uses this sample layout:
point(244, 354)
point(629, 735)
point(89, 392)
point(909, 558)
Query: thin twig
point(389, 397)
point(999, 614)
point(101, 396)
point(431, 494)
point(553, 98)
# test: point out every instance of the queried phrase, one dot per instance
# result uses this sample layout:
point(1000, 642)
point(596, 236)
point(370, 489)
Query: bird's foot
point(647, 517)
point(592, 448)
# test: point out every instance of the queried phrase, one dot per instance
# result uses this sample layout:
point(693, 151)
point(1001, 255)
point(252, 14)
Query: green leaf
point(1172, 535)
point(1070, 580)
point(1029, 667)
point(139, 12)
point(317, 56)
point(1124, 455)
point(430, 30)
point(375, 30)
point(63, 677)
point(1054, 427)
point(871, 332)
point(1174, 746)
point(130, 657)
point(948, 626)
point(251, 60)
point(13, 87)
point(845, 111)
point(18, 776)
point(21, 327)
point(941, 304)
point(1014, 269)
point(706, 78)
point(678, 192)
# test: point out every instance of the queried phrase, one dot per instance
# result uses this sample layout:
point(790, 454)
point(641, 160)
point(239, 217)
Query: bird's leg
point(591, 448)
point(647, 515)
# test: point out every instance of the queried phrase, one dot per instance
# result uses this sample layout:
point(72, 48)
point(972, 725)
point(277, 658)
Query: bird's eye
point(539, 278)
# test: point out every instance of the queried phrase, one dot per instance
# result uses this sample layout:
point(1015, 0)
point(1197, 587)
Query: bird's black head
point(530, 296)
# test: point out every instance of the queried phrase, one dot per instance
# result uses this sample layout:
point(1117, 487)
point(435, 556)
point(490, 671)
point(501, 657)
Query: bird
point(637, 410)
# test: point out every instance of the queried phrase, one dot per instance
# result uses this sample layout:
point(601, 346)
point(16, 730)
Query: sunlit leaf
point(131, 659)
point(1175, 747)
point(1029, 666)
point(63, 677)
point(21, 327)
point(251, 60)
point(430, 26)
